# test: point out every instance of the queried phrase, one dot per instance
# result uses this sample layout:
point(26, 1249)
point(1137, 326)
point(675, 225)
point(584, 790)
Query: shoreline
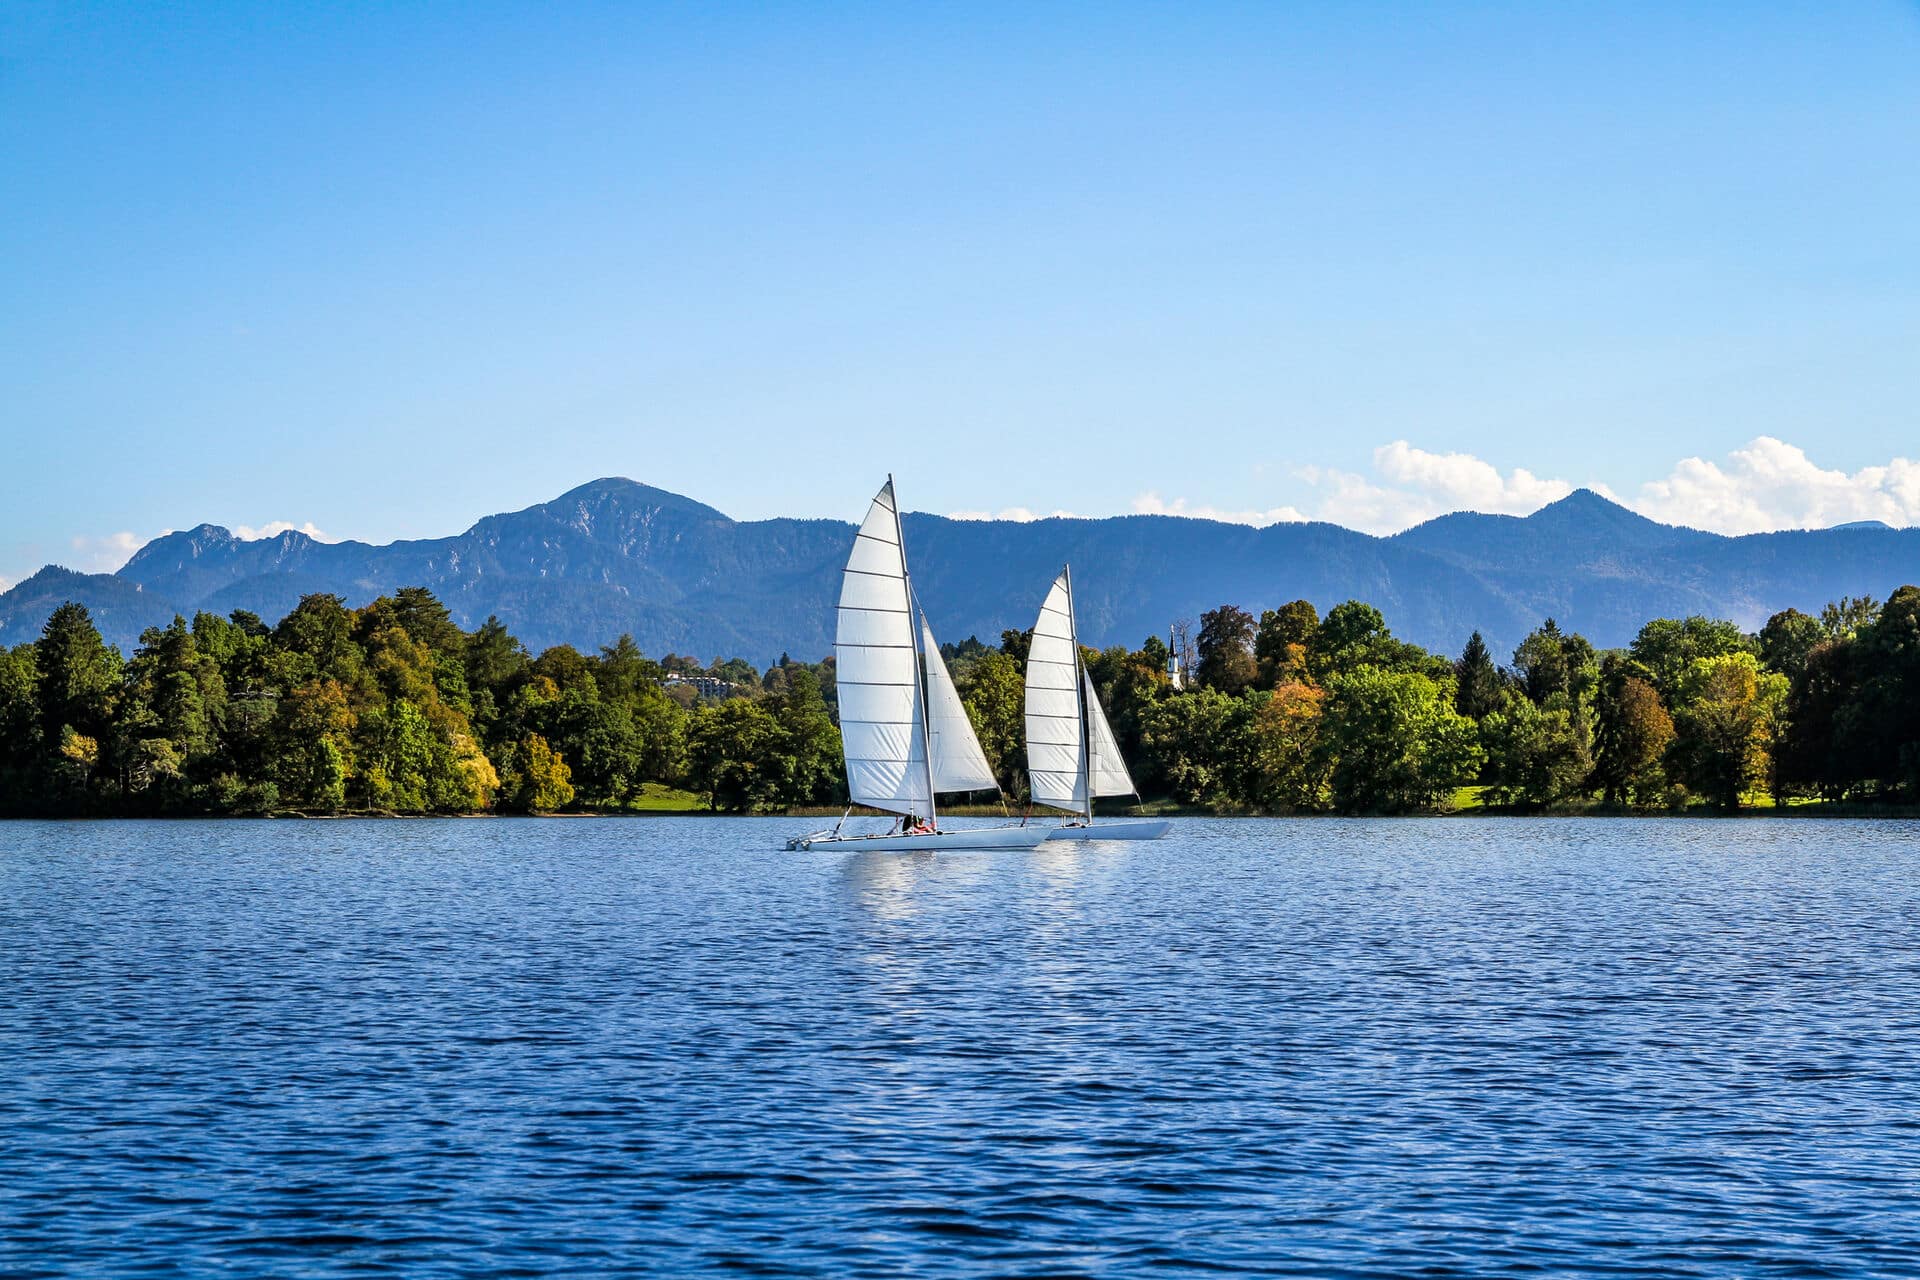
point(1811, 811)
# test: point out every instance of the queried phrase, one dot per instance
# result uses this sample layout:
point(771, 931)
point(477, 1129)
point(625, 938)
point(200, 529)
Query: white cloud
point(1771, 484)
point(1767, 485)
point(1408, 485)
point(106, 553)
point(1466, 482)
point(1019, 515)
point(6, 583)
point(1152, 504)
point(273, 528)
point(1411, 485)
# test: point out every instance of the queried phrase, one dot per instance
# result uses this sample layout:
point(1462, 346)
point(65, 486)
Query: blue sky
point(383, 269)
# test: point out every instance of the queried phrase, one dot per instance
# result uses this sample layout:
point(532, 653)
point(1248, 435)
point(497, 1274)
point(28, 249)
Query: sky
point(376, 271)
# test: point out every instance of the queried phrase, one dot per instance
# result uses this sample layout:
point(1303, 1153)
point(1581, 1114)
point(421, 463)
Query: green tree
point(737, 672)
point(401, 757)
point(568, 669)
point(1397, 743)
point(603, 745)
point(1723, 725)
point(313, 732)
point(809, 769)
point(1536, 756)
point(1283, 640)
point(1226, 649)
point(1814, 753)
point(240, 649)
point(1290, 764)
point(1191, 745)
point(1550, 662)
point(1478, 684)
point(171, 698)
point(21, 749)
point(1128, 684)
point(994, 690)
point(1668, 648)
point(1844, 618)
point(417, 612)
point(624, 670)
point(1632, 736)
point(537, 778)
point(496, 665)
point(317, 639)
point(1787, 640)
point(1355, 635)
point(1880, 725)
point(730, 754)
point(79, 675)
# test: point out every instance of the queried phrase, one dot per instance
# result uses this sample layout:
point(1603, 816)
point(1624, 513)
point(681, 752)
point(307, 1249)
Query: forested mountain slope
point(615, 555)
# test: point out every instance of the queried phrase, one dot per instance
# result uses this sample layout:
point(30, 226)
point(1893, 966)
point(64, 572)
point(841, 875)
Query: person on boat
point(915, 825)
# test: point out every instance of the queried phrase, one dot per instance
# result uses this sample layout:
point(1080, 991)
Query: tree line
point(390, 708)
point(394, 707)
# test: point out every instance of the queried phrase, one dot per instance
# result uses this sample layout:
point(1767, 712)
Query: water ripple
point(1258, 1048)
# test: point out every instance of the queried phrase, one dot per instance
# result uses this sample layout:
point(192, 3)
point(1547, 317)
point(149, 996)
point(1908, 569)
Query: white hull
point(1111, 831)
point(1026, 837)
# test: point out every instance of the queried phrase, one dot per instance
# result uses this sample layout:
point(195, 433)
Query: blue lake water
point(1436, 1048)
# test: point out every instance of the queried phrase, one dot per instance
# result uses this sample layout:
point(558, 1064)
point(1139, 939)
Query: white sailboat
point(904, 729)
point(1072, 756)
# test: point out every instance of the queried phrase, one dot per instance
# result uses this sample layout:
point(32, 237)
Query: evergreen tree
point(1551, 663)
point(1478, 684)
point(79, 676)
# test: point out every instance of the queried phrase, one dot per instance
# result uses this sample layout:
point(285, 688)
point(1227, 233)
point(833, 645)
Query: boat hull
point(1112, 831)
point(1026, 837)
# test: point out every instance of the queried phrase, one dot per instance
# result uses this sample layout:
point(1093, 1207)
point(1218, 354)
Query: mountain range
point(617, 556)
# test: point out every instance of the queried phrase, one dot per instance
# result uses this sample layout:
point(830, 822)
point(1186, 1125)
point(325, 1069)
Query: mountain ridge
point(615, 555)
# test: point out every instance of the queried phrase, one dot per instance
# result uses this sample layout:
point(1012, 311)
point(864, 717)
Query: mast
point(919, 657)
point(1079, 695)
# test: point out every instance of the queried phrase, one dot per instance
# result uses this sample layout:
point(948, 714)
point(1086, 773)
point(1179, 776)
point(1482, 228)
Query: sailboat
point(904, 729)
point(1072, 756)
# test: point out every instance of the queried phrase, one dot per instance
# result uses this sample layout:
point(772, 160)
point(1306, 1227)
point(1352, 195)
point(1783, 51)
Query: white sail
point(881, 716)
point(958, 762)
point(1107, 770)
point(1056, 751)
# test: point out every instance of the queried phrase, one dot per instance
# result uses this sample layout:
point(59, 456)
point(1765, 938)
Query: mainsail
point(958, 762)
point(1071, 752)
point(1056, 741)
point(882, 716)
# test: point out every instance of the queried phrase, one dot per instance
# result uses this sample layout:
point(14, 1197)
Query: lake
point(1445, 1048)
